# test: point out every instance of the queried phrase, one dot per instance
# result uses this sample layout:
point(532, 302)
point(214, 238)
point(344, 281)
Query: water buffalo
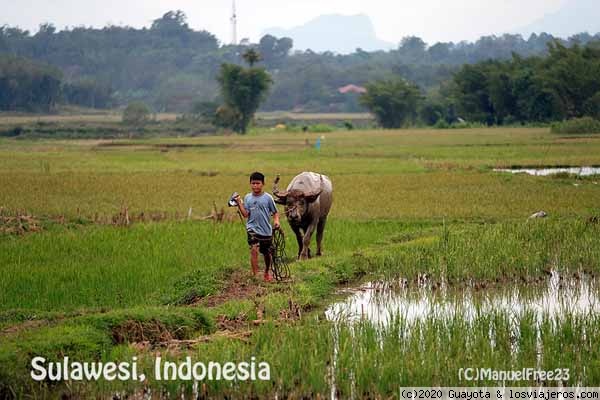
point(307, 201)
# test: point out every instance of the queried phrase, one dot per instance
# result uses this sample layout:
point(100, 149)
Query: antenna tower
point(233, 25)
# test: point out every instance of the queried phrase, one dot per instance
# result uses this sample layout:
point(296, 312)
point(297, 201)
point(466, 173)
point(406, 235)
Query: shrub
point(577, 125)
point(12, 132)
point(441, 124)
point(467, 125)
point(136, 113)
point(321, 128)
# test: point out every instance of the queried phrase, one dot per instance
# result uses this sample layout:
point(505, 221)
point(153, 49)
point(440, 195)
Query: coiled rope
point(279, 265)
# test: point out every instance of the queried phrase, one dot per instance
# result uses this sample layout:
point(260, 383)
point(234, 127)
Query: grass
point(368, 361)
point(445, 347)
point(102, 267)
point(466, 195)
point(91, 337)
point(407, 203)
point(493, 251)
point(395, 174)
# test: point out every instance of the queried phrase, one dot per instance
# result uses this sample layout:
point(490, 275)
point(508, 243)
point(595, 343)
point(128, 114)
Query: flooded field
point(434, 331)
point(580, 171)
point(380, 302)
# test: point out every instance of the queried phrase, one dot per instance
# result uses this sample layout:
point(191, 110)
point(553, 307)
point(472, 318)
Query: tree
point(168, 65)
point(592, 106)
point(136, 113)
point(471, 93)
point(412, 48)
point(88, 93)
point(28, 86)
point(172, 23)
point(251, 56)
point(574, 75)
point(431, 112)
point(439, 52)
point(393, 102)
point(243, 89)
point(274, 50)
point(502, 98)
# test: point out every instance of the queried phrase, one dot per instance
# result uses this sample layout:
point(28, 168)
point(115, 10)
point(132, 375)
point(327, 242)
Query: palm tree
point(251, 56)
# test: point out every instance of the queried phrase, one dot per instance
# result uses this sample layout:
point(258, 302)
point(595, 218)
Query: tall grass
point(155, 263)
point(432, 353)
point(95, 267)
point(458, 253)
point(362, 360)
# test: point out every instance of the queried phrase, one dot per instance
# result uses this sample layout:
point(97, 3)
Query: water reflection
point(581, 171)
point(379, 302)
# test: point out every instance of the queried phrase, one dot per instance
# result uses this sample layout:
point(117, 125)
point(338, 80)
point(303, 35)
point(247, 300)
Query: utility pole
point(234, 25)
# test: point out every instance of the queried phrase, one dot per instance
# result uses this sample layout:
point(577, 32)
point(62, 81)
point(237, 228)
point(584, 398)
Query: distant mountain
point(576, 16)
point(337, 33)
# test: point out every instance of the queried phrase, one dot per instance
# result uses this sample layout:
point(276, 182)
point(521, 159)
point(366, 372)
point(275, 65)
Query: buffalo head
point(296, 201)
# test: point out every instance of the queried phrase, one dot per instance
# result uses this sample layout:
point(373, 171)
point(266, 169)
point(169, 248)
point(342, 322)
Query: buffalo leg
point(296, 230)
point(306, 242)
point(320, 229)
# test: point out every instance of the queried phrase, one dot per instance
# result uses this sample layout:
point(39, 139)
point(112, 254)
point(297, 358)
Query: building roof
point(352, 89)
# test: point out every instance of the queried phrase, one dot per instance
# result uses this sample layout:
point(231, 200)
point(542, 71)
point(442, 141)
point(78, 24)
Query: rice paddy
point(423, 209)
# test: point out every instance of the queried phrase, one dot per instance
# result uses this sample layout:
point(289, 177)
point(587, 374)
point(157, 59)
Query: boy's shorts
point(265, 242)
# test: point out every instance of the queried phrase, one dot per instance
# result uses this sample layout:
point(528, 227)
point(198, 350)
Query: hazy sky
point(433, 20)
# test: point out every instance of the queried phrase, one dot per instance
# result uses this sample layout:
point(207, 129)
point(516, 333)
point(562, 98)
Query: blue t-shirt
point(260, 208)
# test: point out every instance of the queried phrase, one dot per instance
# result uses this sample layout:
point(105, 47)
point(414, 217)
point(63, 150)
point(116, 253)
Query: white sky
point(432, 20)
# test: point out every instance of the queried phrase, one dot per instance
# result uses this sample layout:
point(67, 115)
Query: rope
point(281, 269)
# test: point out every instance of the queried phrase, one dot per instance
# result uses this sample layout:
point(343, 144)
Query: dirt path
point(240, 285)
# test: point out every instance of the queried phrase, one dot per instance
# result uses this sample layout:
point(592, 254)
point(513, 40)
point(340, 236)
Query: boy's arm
point(241, 207)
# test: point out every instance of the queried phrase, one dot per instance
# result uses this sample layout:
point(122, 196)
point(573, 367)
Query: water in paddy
point(581, 171)
point(379, 302)
point(384, 302)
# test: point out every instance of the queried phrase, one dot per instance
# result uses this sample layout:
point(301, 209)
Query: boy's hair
point(257, 176)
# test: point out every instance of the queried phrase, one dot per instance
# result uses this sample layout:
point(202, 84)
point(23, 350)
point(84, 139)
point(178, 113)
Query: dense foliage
point(393, 102)
point(170, 66)
point(563, 85)
point(25, 85)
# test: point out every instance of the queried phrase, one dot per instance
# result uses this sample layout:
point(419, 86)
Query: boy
point(258, 207)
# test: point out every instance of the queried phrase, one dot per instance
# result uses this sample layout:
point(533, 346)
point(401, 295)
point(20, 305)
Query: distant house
point(352, 89)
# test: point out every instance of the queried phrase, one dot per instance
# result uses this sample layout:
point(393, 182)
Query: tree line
point(27, 85)
point(563, 85)
point(170, 66)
